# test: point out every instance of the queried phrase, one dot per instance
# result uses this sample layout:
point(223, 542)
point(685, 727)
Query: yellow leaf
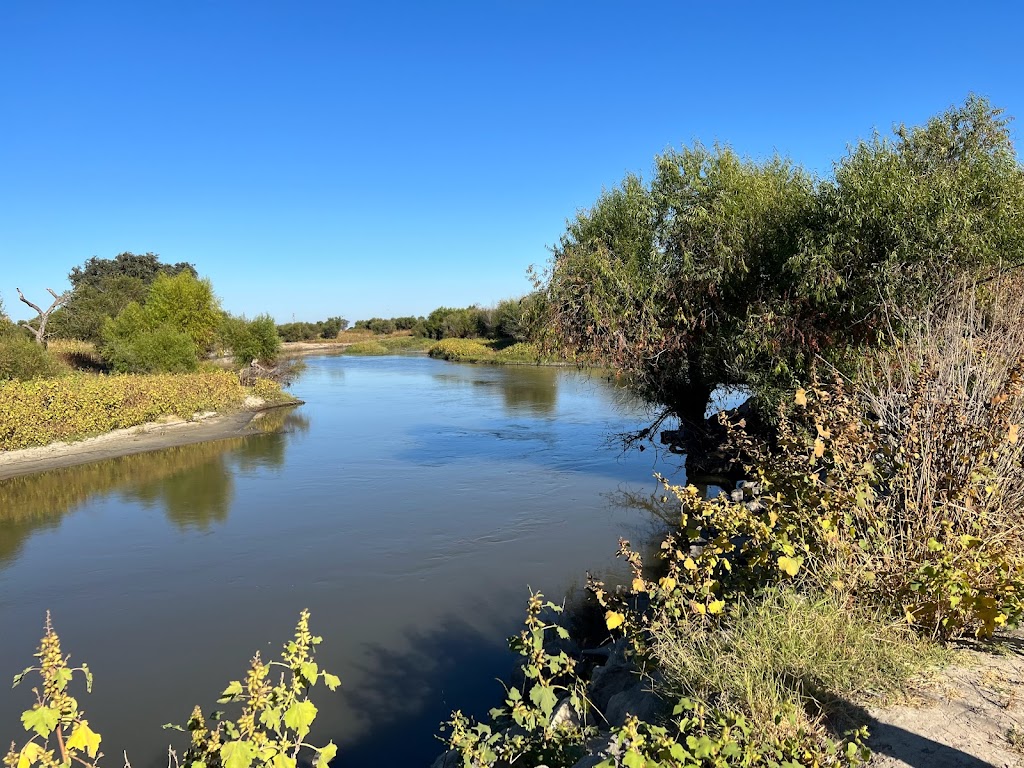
point(29, 754)
point(790, 565)
point(614, 619)
point(716, 606)
point(667, 583)
point(819, 448)
point(639, 585)
point(84, 738)
point(1014, 434)
point(689, 565)
point(801, 397)
point(698, 608)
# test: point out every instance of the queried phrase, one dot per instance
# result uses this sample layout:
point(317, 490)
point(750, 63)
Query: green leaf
point(282, 760)
point(20, 676)
point(634, 759)
point(326, 755)
point(331, 681)
point(544, 697)
point(300, 716)
point(233, 691)
point(83, 737)
point(309, 670)
point(62, 678)
point(88, 678)
point(237, 754)
point(42, 720)
point(271, 718)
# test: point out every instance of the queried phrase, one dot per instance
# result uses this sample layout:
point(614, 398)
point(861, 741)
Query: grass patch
point(495, 352)
point(807, 658)
point(76, 355)
point(389, 345)
point(366, 348)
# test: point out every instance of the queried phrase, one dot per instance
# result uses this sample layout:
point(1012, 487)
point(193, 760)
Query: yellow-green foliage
point(76, 354)
point(478, 351)
point(520, 352)
point(366, 348)
point(389, 345)
point(21, 358)
point(270, 732)
point(73, 407)
point(270, 391)
point(461, 351)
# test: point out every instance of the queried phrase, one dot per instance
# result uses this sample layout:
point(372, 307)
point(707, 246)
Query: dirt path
point(966, 719)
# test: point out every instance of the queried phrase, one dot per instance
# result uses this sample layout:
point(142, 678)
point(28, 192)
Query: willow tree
point(728, 271)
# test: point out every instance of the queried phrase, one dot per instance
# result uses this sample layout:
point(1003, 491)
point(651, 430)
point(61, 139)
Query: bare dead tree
point(44, 317)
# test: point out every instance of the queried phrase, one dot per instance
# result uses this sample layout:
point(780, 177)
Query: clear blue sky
point(383, 158)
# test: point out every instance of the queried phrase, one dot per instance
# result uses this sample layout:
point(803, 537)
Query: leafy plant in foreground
point(534, 722)
point(275, 719)
point(60, 732)
point(270, 732)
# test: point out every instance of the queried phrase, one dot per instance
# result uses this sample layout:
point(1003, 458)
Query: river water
point(409, 505)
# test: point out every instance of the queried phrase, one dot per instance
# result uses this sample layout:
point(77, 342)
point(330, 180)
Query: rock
point(614, 677)
point(450, 759)
point(564, 714)
point(639, 701)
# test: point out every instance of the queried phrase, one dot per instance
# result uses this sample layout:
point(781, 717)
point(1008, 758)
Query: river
point(409, 505)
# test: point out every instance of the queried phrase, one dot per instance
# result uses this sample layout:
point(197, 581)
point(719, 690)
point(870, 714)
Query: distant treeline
point(516, 319)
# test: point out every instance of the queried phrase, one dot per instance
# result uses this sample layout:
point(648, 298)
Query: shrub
point(163, 349)
point(249, 340)
point(461, 350)
point(21, 358)
point(366, 348)
point(73, 407)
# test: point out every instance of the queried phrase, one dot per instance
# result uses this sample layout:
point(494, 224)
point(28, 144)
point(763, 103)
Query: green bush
point(21, 358)
point(161, 350)
point(461, 350)
point(249, 340)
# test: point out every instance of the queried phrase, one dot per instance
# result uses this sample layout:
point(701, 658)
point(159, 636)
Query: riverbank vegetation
point(877, 319)
point(73, 407)
point(146, 330)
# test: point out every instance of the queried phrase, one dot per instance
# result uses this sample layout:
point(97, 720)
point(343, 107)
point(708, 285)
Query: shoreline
point(151, 436)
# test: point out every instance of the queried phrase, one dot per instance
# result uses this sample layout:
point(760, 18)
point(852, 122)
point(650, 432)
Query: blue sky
point(385, 158)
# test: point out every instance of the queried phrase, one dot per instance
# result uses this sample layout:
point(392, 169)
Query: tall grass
point(807, 657)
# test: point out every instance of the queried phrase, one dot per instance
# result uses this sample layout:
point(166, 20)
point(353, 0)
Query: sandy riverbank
point(122, 442)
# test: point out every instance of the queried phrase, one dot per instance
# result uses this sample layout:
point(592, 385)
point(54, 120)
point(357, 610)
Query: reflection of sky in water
point(409, 509)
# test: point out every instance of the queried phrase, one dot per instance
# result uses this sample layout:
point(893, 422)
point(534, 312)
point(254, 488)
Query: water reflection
point(530, 391)
point(193, 483)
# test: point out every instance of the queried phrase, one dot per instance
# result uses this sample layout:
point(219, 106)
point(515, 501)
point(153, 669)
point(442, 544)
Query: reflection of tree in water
point(530, 389)
point(267, 450)
point(197, 497)
point(192, 482)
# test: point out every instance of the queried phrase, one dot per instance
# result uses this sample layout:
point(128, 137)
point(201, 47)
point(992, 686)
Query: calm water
point(408, 505)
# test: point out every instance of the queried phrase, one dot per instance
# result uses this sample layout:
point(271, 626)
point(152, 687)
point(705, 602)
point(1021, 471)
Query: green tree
point(101, 288)
point(177, 324)
point(727, 271)
point(187, 304)
point(249, 340)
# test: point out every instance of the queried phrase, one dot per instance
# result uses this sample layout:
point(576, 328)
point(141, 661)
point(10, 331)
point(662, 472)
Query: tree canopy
point(101, 288)
point(729, 271)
